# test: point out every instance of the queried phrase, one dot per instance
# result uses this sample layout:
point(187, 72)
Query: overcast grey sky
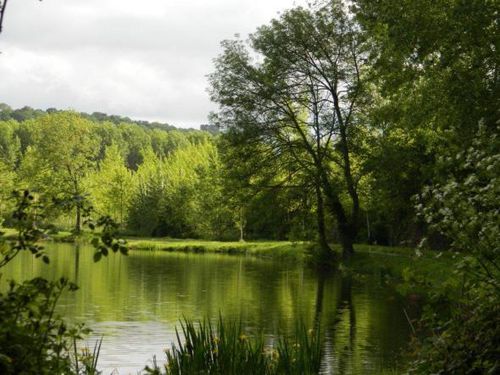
point(145, 59)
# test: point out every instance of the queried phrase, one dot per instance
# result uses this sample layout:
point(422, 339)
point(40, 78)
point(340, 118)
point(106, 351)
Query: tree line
point(152, 181)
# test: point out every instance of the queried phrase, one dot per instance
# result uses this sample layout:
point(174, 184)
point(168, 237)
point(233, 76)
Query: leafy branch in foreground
point(26, 218)
point(33, 339)
point(107, 239)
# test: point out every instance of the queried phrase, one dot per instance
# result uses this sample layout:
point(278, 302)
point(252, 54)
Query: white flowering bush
point(464, 207)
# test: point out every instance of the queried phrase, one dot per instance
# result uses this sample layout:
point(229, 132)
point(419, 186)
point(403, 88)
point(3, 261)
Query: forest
point(339, 127)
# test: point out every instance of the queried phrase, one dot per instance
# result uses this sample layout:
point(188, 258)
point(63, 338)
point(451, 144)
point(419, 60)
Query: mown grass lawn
point(272, 249)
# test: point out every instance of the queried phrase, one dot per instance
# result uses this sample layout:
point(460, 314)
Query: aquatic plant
point(227, 349)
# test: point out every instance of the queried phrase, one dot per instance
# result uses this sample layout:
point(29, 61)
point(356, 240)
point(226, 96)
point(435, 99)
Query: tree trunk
point(347, 241)
point(242, 238)
point(323, 243)
point(347, 230)
point(241, 225)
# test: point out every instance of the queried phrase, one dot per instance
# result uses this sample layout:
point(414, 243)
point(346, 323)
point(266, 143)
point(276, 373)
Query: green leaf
point(97, 256)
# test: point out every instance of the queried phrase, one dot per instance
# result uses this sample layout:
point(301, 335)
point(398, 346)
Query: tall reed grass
point(202, 348)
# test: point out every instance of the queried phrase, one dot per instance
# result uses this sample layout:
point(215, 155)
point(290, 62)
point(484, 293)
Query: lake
point(136, 301)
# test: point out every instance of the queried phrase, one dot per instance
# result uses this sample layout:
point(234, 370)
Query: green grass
point(271, 249)
point(395, 264)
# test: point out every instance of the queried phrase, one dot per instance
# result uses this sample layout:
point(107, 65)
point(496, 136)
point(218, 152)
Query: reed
point(202, 348)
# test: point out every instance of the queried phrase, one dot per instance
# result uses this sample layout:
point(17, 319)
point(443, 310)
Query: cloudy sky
point(145, 59)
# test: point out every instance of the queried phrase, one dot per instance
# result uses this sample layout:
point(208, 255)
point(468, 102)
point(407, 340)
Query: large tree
point(294, 93)
point(435, 66)
point(64, 151)
point(436, 61)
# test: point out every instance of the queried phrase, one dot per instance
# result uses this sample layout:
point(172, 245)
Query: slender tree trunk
point(242, 239)
point(242, 225)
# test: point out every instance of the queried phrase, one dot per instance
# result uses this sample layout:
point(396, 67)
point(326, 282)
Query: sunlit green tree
point(63, 153)
point(111, 186)
point(299, 99)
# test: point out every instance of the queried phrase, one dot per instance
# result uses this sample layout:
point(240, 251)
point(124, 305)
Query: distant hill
point(213, 129)
point(26, 113)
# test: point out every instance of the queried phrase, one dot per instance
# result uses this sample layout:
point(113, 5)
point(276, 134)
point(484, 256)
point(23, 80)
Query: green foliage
point(181, 195)
point(398, 165)
point(10, 144)
point(144, 211)
point(26, 218)
point(463, 206)
point(112, 185)
point(434, 77)
point(430, 52)
point(151, 182)
point(7, 183)
point(297, 109)
point(466, 342)
point(107, 239)
point(203, 349)
point(63, 154)
point(33, 339)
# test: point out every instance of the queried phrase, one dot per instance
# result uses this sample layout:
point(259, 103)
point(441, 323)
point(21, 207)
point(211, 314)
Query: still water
point(135, 302)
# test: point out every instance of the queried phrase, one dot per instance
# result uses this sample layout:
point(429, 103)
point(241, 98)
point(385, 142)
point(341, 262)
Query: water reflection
point(136, 301)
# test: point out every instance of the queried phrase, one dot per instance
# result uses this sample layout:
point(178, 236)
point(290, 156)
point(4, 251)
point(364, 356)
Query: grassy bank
point(396, 264)
point(270, 249)
point(390, 263)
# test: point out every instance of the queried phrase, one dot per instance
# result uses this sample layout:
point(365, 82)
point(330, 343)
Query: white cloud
point(146, 60)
